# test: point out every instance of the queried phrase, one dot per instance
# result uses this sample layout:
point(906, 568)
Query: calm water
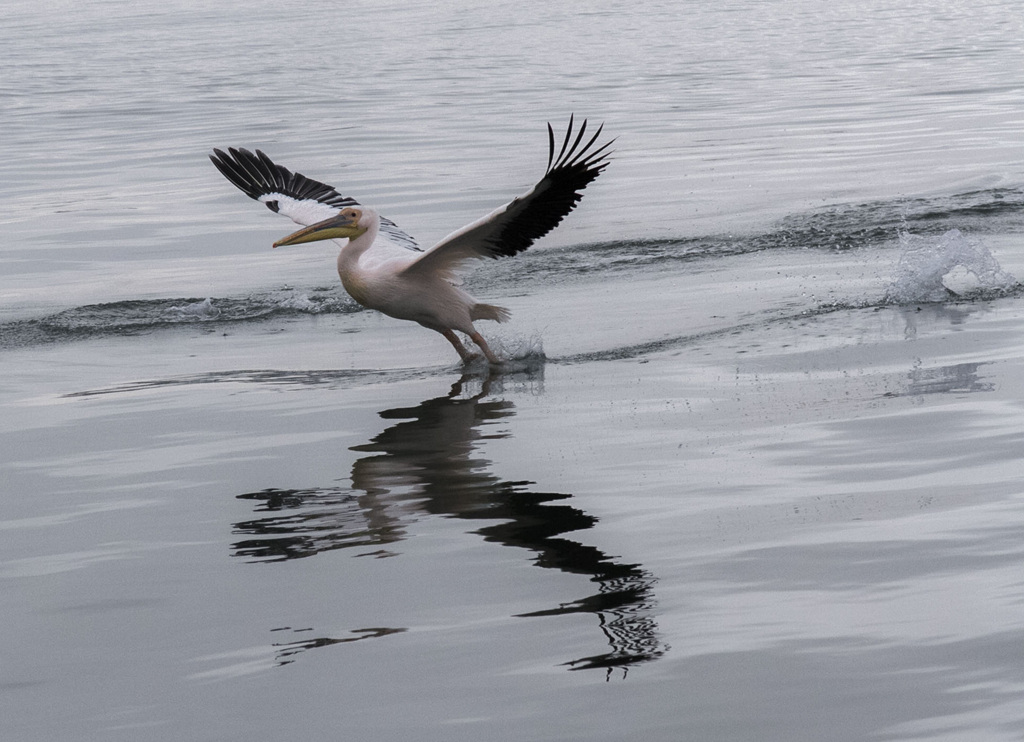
point(753, 470)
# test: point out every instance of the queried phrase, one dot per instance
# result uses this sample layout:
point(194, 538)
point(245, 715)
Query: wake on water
point(933, 266)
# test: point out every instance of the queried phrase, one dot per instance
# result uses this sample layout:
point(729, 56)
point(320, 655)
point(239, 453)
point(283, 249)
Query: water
point(751, 472)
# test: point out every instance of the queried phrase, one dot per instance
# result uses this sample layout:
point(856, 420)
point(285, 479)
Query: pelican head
point(350, 223)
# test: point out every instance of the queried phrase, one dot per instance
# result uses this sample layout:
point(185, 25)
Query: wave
point(845, 227)
point(942, 260)
point(838, 228)
point(136, 317)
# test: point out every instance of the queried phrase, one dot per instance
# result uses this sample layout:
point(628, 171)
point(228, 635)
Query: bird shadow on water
point(428, 462)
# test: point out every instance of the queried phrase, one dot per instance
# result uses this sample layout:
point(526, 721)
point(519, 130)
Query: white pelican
point(383, 268)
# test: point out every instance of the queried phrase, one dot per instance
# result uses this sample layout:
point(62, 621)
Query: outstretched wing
point(518, 224)
point(304, 200)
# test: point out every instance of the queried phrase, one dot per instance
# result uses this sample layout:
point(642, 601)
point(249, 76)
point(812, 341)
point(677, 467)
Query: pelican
point(383, 268)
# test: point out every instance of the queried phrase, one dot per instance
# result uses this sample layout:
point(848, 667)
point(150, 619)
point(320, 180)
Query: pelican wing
point(304, 200)
point(515, 226)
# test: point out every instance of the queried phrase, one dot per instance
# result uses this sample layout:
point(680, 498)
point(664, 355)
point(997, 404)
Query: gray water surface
point(752, 469)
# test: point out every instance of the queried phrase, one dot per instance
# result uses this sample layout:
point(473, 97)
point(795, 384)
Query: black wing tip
point(584, 159)
point(256, 175)
point(572, 166)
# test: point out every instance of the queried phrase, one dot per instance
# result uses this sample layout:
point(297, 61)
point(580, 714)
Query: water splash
point(954, 266)
point(518, 354)
point(513, 347)
point(200, 310)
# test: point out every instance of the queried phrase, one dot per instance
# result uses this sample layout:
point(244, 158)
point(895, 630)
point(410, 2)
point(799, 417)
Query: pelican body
point(383, 268)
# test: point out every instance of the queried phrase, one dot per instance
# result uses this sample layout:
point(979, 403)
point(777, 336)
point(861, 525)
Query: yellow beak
point(329, 229)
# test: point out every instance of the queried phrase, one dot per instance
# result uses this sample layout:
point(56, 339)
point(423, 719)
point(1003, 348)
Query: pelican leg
point(479, 340)
point(464, 353)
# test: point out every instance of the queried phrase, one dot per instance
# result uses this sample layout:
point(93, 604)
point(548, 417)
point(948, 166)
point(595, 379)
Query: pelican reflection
point(429, 461)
